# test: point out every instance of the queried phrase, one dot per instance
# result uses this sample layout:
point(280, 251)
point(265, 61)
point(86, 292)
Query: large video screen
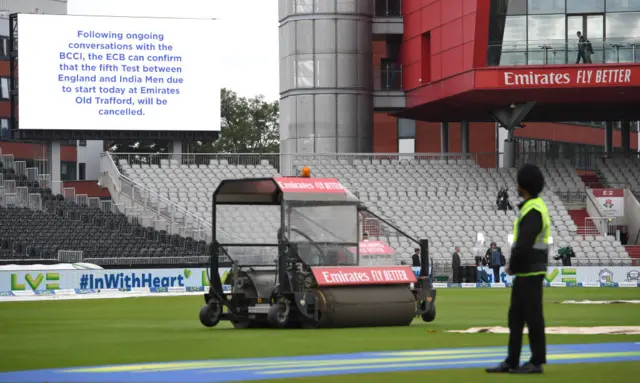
point(118, 73)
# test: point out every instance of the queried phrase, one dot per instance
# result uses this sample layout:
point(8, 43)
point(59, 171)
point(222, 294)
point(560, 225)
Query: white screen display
point(118, 73)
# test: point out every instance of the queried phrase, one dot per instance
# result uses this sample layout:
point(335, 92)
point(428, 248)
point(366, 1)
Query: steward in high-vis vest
point(528, 265)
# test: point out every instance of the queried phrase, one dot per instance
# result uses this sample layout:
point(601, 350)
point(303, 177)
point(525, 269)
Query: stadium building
point(436, 82)
point(422, 108)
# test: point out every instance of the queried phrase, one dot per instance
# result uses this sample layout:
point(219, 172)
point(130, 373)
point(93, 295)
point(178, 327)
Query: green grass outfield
point(53, 334)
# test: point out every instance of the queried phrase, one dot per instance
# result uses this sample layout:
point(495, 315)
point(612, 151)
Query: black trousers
point(526, 307)
point(456, 274)
point(496, 274)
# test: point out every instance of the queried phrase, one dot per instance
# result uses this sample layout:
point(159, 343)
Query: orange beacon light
point(306, 172)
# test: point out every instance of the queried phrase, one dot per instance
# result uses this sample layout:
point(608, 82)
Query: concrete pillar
point(176, 151)
point(326, 95)
point(444, 137)
point(608, 137)
point(53, 165)
point(625, 132)
point(464, 136)
point(509, 156)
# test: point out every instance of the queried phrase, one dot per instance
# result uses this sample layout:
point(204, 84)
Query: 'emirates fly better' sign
point(569, 77)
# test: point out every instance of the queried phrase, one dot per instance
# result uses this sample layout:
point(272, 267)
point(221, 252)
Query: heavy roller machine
point(315, 278)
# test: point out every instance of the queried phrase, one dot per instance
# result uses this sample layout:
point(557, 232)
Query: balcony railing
point(388, 78)
point(388, 8)
point(555, 52)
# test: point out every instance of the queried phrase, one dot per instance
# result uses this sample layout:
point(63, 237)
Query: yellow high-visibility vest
point(542, 240)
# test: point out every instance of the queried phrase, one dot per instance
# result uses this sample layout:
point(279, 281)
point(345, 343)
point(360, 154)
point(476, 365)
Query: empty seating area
point(621, 172)
point(445, 201)
point(191, 187)
point(65, 225)
point(449, 202)
point(35, 224)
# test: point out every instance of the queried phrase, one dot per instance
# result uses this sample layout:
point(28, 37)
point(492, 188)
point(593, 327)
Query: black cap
point(530, 178)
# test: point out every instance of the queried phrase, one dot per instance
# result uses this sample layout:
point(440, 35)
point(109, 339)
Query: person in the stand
point(528, 262)
point(495, 261)
point(456, 265)
point(481, 275)
point(415, 257)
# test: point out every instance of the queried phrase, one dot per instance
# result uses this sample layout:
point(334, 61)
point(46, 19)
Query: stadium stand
point(621, 172)
point(36, 224)
point(456, 201)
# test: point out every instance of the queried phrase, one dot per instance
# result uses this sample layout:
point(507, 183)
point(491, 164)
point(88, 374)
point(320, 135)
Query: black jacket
point(455, 260)
point(524, 258)
point(415, 259)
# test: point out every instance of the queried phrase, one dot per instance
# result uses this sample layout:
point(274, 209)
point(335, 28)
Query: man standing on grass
point(528, 262)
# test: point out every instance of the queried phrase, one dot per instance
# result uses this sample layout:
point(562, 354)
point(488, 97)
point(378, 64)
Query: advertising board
point(42, 280)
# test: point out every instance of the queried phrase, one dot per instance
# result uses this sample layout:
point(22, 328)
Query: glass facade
point(579, 155)
point(541, 32)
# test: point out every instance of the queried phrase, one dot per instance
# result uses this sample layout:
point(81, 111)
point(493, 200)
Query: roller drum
point(366, 306)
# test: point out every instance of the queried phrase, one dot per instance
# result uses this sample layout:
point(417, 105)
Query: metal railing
point(152, 209)
point(599, 226)
point(69, 256)
point(285, 163)
point(555, 52)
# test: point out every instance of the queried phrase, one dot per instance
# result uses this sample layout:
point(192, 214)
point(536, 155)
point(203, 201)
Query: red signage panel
point(309, 185)
point(356, 275)
point(558, 77)
point(608, 193)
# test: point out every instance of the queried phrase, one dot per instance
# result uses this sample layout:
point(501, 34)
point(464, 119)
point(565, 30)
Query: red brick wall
point(29, 151)
point(385, 133)
point(89, 188)
point(571, 133)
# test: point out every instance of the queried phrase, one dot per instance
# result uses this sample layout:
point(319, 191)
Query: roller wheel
point(241, 324)
point(430, 314)
point(210, 314)
point(279, 315)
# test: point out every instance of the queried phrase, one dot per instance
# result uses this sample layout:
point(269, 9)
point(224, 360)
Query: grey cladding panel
point(325, 6)
point(325, 36)
point(326, 115)
point(347, 6)
point(347, 71)
point(347, 36)
point(348, 115)
point(304, 36)
point(326, 71)
point(305, 115)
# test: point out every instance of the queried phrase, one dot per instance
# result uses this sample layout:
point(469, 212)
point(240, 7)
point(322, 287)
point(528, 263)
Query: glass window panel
point(513, 47)
point(4, 128)
point(509, 7)
point(595, 34)
point(515, 29)
point(595, 27)
point(517, 7)
point(304, 6)
point(546, 35)
point(546, 6)
point(623, 26)
point(304, 73)
point(406, 128)
point(585, 6)
point(623, 5)
point(4, 88)
point(546, 29)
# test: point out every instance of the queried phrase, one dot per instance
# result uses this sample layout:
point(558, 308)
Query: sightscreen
point(118, 73)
